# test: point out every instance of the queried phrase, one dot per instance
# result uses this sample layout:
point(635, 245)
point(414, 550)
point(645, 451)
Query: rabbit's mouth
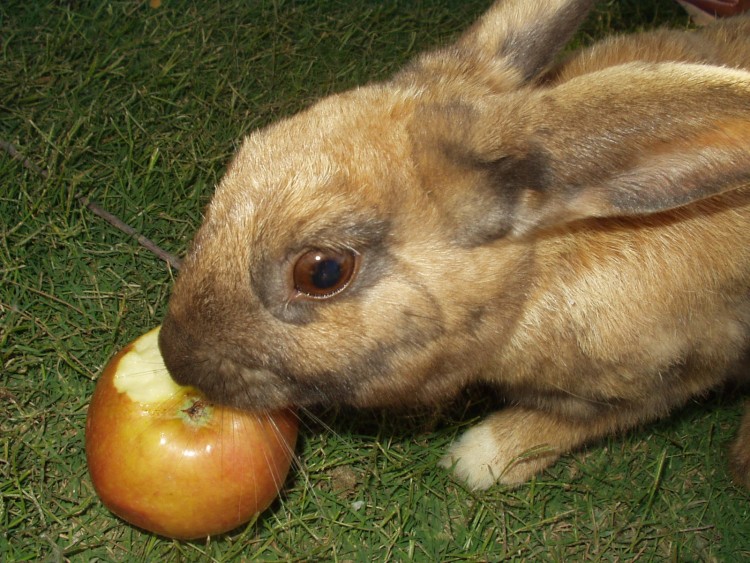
point(237, 382)
point(223, 380)
point(252, 388)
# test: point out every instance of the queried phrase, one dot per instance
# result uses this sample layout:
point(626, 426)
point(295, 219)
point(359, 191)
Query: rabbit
point(573, 230)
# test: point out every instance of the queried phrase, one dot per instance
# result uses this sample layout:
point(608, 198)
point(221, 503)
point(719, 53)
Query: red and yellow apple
point(165, 459)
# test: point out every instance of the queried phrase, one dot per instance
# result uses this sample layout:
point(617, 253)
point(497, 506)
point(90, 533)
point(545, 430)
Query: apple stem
point(195, 410)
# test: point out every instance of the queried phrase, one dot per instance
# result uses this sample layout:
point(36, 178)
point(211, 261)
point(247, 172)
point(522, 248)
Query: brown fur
point(577, 237)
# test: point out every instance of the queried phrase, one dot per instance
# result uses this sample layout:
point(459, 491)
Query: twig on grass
point(13, 152)
point(170, 259)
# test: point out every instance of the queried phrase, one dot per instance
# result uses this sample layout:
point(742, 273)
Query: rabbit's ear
point(513, 42)
point(629, 140)
point(525, 35)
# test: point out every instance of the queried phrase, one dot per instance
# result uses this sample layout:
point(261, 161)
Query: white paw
point(509, 448)
point(475, 458)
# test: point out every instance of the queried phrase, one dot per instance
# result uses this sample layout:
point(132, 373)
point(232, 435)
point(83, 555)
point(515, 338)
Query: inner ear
point(504, 196)
point(486, 188)
point(485, 200)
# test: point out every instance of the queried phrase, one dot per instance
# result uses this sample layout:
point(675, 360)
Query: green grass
point(140, 109)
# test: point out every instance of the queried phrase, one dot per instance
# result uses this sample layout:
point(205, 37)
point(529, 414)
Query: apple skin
point(179, 466)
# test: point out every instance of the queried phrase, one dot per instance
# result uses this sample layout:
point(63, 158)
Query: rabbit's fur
point(574, 233)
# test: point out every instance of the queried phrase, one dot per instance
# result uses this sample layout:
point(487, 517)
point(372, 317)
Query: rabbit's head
point(379, 247)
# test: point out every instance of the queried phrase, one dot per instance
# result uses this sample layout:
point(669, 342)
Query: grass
point(140, 109)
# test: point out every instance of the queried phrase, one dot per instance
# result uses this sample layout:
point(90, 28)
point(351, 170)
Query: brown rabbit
point(577, 235)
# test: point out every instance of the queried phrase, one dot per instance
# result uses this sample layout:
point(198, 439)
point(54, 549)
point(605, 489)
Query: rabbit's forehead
point(353, 133)
point(291, 195)
point(313, 169)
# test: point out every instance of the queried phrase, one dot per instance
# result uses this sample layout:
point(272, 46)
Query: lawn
point(140, 109)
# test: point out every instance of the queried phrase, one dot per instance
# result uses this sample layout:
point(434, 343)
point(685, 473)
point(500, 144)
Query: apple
point(166, 460)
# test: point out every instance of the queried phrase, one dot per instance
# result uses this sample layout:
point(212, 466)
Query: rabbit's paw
point(506, 448)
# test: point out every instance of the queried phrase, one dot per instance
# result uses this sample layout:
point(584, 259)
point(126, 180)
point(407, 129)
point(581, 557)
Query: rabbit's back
point(622, 302)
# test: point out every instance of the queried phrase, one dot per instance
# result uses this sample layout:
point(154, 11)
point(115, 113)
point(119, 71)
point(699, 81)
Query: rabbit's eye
point(323, 273)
